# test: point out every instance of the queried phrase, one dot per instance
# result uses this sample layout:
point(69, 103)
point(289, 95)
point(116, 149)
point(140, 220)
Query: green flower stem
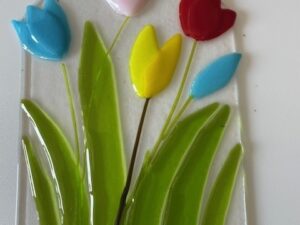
point(72, 108)
point(178, 116)
point(117, 36)
point(132, 163)
point(177, 98)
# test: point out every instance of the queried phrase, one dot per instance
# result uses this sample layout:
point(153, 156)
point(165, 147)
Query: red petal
point(227, 21)
point(205, 19)
point(184, 8)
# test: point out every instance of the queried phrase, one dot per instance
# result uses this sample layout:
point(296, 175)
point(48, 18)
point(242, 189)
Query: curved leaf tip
point(215, 76)
point(102, 126)
point(42, 190)
point(220, 196)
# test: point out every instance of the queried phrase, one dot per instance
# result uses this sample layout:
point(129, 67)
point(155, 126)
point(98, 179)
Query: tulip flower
point(215, 76)
point(151, 67)
point(127, 7)
point(45, 31)
point(205, 19)
point(151, 70)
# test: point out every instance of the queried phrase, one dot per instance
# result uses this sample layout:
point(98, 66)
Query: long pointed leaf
point(104, 144)
point(41, 187)
point(220, 197)
point(184, 202)
point(149, 197)
point(65, 171)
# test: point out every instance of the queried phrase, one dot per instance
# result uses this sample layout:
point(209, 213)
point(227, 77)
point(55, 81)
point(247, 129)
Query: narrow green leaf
point(146, 204)
point(220, 197)
point(102, 127)
point(41, 187)
point(71, 190)
point(185, 198)
point(69, 93)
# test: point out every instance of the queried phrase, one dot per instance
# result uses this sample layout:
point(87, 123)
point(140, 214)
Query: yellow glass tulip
point(151, 67)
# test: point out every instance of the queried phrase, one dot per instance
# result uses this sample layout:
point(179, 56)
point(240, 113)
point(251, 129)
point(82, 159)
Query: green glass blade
point(102, 127)
point(64, 169)
point(184, 201)
point(220, 197)
point(147, 202)
point(41, 187)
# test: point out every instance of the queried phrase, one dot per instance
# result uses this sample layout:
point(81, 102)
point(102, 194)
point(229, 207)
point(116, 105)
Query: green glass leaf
point(184, 201)
point(64, 169)
point(41, 187)
point(102, 127)
point(147, 202)
point(220, 197)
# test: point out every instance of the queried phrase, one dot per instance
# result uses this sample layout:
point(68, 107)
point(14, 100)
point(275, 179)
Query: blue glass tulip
point(44, 32)
point(215, 76)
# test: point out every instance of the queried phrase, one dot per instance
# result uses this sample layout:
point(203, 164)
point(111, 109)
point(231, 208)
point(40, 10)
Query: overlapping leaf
point(72, 197)
point(184, 202)
point(220, 196)
point(146, 205)
point(102, 127)
point(41, 187)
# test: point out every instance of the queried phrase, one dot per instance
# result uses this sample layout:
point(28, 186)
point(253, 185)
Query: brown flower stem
point(132, 163)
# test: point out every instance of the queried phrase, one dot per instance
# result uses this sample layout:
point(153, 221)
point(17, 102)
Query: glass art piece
point(135, 119)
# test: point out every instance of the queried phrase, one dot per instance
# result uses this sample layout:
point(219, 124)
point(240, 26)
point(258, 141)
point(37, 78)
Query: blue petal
point(47, 31)
point(27, 42)
point(215, 76)
point(54, 8)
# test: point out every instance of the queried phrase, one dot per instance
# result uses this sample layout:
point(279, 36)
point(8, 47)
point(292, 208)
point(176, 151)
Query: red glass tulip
point(205, 19)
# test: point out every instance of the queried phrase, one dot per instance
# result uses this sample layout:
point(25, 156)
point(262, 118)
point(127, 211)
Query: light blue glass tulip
point(44, 32)
point(215, 76)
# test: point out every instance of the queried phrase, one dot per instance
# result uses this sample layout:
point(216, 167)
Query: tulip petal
point(215, 76)
point(45, 32)
point(151, 68)
point(144, 50)
point(160, 71)
point(54, 8)
point(204, 20)
point(27, 42)
point(55, 39)
point(127, 7)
